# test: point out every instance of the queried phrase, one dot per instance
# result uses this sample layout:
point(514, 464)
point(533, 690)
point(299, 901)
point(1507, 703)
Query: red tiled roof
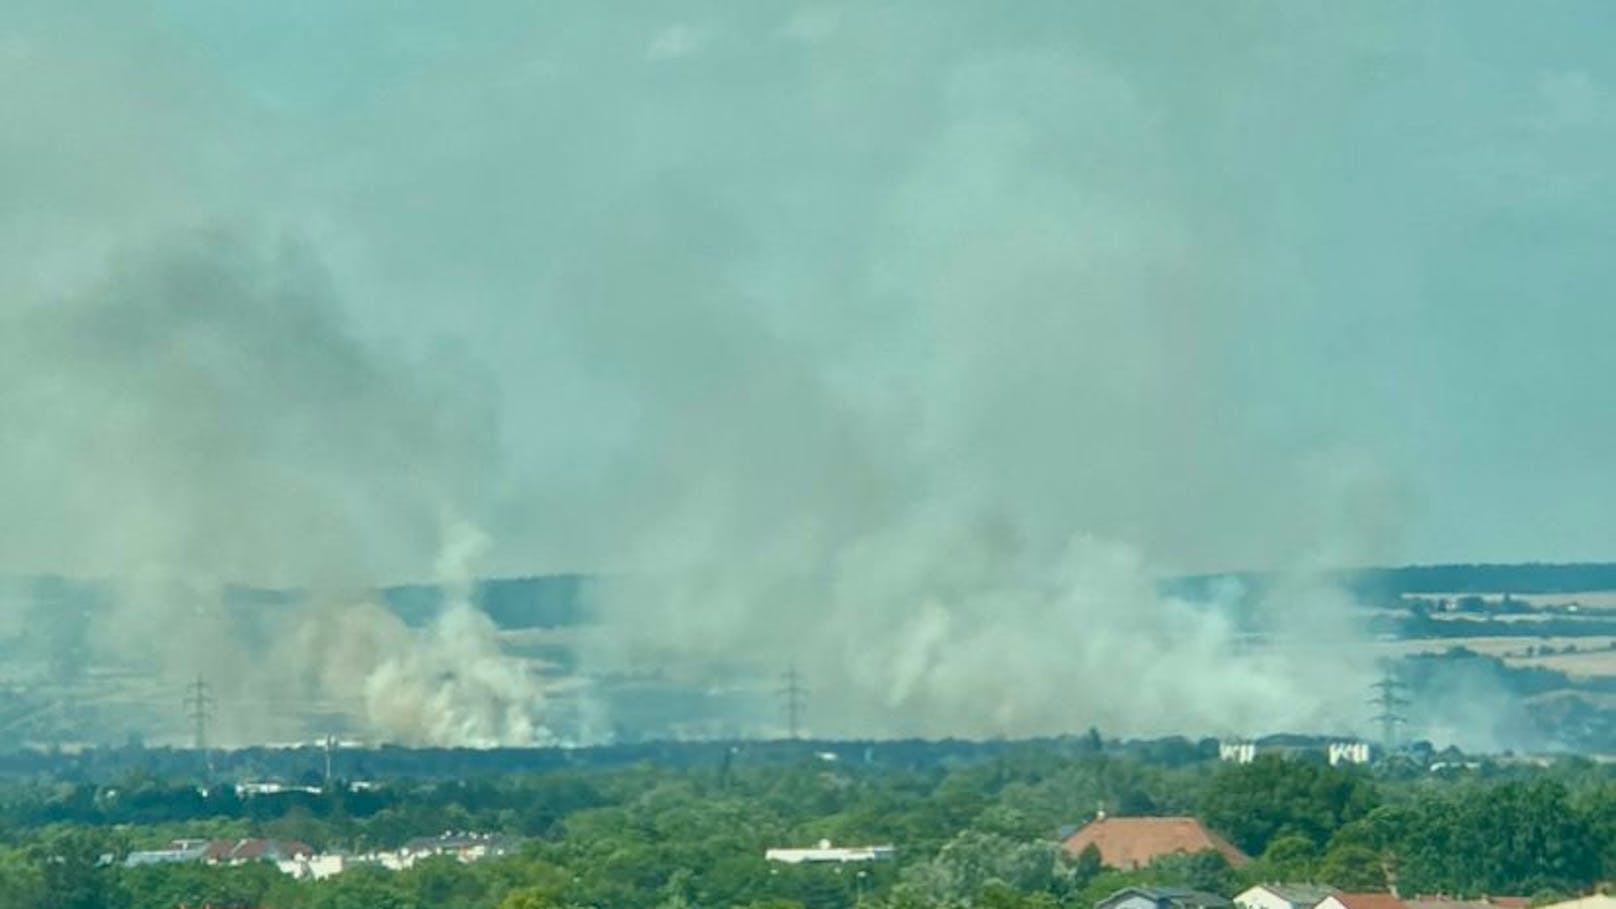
point(1367, 901)
point(1127, 843)
point(254, 849)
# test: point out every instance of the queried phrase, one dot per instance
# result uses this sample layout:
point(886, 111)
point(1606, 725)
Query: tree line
point(981, 833)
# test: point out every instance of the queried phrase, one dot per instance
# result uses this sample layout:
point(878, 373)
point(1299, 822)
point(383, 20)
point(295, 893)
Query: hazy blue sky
point(1235, 283)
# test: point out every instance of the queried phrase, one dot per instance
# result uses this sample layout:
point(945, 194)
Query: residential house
point(302, 862)
point(315, 867)
point(1162, 898)
point(177, 851)
point(240, 852)
point(1362, 901)
point(220, 852)
point(467, 847)
point(1129, 843)
point(1283, 896)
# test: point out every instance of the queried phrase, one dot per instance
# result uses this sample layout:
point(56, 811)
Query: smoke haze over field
point(910, 342)
point(201, 417)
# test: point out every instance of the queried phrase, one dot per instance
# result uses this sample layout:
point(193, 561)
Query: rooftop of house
point(1368, 900)
point(176, 853)
point(1169, 896)
point(493, 842)
point(826, 852)
point(248, 850)
point(1133, 842)
point(1298, 894)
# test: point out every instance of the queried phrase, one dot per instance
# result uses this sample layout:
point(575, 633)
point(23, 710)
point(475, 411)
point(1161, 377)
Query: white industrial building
point(825, 852)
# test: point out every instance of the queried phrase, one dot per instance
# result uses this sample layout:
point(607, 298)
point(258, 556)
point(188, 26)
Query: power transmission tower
point(330, 746)
point(1388, 697)
point(199, 710)
point(792, 694)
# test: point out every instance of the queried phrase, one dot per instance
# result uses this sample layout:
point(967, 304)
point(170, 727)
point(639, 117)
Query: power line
point(793, 695)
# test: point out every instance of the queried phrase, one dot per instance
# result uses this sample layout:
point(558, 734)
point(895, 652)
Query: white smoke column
point(453, 684)
point(946, 481)
point(939, 630)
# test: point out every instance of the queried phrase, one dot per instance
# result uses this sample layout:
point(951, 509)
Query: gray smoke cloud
point(200, 417)
point(946, 488)
point(909, 342)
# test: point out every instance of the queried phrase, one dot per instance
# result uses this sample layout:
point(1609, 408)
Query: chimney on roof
point(1099, 813)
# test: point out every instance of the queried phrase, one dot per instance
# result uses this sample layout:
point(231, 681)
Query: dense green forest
point(968, 833)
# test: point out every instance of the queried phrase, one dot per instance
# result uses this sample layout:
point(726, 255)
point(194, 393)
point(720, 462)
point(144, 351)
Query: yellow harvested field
point(1597, 599)
point(1593, 655)
point(1593, 599)
point(1583, 663)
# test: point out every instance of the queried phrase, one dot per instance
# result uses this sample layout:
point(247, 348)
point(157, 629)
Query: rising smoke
point(910, 345)
point(202, 417)
point(944, 485)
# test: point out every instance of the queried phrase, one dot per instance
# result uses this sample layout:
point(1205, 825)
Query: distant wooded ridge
point(559, 600)
point(1376, 584)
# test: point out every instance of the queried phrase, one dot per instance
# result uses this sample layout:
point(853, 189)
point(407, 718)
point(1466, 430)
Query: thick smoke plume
point(945, 483)
point(461, 688)
point(911, 343)
point(200, 418)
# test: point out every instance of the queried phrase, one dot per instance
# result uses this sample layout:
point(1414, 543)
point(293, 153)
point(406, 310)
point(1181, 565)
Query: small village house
point(1162, 898)
point(1362, 901)
point(1283, 896)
